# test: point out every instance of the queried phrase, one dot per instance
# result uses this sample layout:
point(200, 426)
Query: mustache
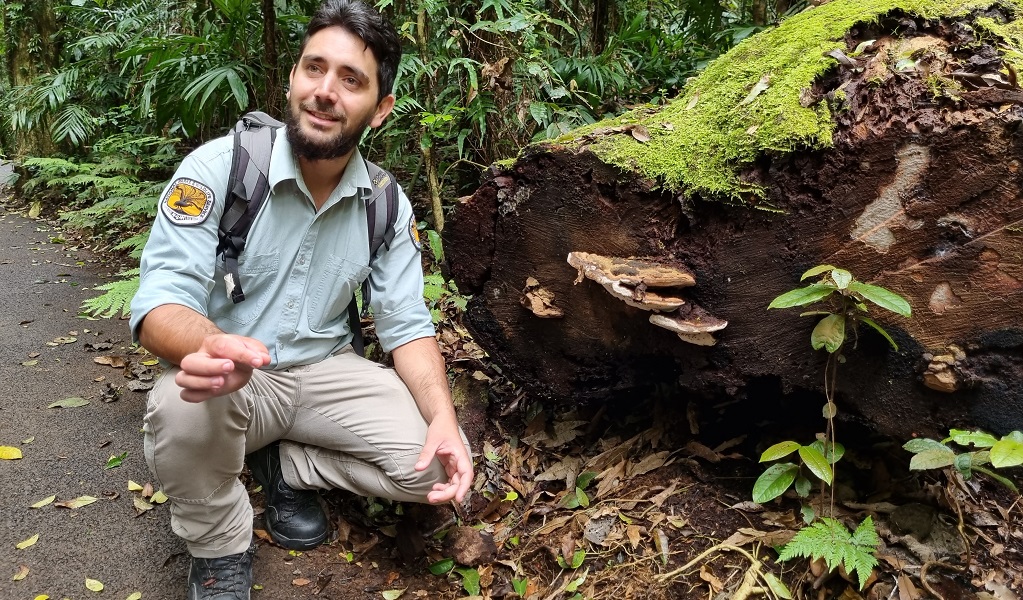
point(325, 109)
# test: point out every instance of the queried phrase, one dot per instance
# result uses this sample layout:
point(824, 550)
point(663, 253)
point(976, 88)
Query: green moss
point(699, 140)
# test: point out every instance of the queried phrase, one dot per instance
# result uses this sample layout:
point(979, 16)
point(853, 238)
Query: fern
point(117, 296)
point(830, 540)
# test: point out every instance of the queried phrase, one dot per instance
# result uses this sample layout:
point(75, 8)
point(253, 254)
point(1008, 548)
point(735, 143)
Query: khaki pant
point(347, 423)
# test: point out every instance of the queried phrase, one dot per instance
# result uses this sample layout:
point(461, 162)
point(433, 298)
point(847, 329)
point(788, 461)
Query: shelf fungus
point(942, 370)
point(692, 324)
point(632, 280)
point(539, 300)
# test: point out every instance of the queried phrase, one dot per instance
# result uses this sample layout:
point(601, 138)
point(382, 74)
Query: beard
point(305, 146)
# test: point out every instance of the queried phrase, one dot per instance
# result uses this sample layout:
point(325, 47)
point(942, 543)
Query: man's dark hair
point(366, 23)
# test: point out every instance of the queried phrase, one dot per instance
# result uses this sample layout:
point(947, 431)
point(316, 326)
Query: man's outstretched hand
point(445, 444)
point(222, 365)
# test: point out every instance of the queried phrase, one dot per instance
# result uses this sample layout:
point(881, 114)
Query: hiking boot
point(224, 578)
point(293, 517)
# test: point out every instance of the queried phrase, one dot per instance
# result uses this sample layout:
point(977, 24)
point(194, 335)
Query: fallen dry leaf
point(76, 503)
point(44, 502)
point(26, 543)
point(9, 453)
point(300, 581)
point(21, 574)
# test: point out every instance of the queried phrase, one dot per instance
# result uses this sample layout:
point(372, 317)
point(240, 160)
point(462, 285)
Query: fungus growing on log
point(630, 279)
point(539, 300)
point(692, 324)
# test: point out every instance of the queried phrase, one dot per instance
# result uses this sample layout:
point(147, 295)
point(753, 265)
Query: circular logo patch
point(187, 202)
point(414, 234)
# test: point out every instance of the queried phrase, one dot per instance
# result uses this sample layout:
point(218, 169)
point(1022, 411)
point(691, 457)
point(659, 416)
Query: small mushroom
point(693, 324)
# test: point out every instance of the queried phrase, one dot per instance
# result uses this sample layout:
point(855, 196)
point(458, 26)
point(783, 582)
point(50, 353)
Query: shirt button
point(291, 304)
point(301, 260)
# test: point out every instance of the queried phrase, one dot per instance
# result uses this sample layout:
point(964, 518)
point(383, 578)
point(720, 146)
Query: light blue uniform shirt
point(299, 269)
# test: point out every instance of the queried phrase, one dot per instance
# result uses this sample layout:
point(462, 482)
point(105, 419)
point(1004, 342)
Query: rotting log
point(896, 156)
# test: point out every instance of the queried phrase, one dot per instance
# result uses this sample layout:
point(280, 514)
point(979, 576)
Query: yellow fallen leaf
point(41, 597)
point(134, 487)
point(21, 574)
point(10, 453)
point(158, 498)
point(26, 543)
point(76, 502)
point(135, 596)
point(43, 502)
point(93, 586)
point(28, 440)
point(141, 505)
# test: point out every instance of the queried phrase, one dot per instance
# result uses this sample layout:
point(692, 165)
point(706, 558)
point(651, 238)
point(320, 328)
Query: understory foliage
point(826, 538)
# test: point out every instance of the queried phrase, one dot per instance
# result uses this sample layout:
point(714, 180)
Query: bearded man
point(273, 380)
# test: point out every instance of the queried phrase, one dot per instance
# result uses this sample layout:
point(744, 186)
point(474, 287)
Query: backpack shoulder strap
point(247, 188)
point(381, 214)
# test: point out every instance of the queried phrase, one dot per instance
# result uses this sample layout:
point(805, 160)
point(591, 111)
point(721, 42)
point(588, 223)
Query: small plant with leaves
point(848, 305)
point(998, 453)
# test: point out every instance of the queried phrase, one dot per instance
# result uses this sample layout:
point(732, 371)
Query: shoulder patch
point(413, 233)
point(187, 202)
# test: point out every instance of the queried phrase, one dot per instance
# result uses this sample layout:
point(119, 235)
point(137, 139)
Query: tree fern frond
point(117, 297)
point(830, 541)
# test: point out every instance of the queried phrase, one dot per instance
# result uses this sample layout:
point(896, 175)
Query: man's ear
point(291, 80)
point(383, 109)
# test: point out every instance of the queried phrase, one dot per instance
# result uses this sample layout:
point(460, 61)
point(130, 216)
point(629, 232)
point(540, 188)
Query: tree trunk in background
point(273, 101)
point(758, 12)
point(918, 194)
point(30, 28)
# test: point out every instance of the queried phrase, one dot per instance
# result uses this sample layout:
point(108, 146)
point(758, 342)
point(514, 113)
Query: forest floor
point(644, 499)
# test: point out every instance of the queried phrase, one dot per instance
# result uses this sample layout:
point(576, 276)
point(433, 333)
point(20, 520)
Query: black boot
point(224, 578)
point(293, 517)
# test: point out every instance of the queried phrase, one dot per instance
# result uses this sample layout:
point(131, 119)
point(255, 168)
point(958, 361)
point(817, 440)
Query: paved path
point(42, 283)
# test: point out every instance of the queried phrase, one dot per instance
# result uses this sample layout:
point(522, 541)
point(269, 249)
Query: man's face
point(333, 96)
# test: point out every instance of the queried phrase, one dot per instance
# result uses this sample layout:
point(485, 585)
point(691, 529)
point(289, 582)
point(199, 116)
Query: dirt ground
point(600, 501)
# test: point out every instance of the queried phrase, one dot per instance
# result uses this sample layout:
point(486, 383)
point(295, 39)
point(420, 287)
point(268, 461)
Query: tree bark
point(31, 50)
point(919, 194)
point(274, 91)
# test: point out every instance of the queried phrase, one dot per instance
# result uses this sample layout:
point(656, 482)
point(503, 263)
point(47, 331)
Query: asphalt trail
point(42, 283)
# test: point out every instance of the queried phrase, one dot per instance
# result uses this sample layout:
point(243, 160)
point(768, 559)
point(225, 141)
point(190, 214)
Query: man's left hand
point(444, 443)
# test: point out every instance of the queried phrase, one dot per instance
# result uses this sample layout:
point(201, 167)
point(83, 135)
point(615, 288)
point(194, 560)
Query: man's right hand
point(223, 364)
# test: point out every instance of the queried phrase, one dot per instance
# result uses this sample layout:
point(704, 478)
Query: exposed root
point(749, 586)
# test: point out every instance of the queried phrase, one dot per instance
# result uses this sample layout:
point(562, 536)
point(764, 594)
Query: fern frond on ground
point(830, 540)
point(117, 296)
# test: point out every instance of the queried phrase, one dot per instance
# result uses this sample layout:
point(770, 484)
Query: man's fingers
point(198, 364)
point(191, 381)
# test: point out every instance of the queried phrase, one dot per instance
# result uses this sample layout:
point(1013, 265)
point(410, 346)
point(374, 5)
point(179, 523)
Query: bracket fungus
point(631, 280)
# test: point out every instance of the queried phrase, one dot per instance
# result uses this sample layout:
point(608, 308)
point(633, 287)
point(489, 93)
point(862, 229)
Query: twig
point(923, 575)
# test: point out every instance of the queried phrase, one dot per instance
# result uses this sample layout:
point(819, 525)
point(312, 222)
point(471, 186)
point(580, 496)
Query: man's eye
point(351, 81)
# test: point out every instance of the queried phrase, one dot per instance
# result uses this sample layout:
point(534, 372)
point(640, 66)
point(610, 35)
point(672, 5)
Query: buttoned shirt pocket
point(338, 281)
point(258, 273)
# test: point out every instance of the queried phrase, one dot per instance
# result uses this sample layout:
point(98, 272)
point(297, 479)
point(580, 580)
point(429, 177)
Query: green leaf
point(779, 450)
point(393, 594)
point(979, 439)
point(520, 586)
point(578, 558)
point(873, 324)
point(817, 464)
point(828, 539)
point(829, 333)
point(921, 444)
point(116, 460)
point(442, 566)
point(584, 479)
point(778, 588)
point(802, 486)
point(882, 297)
point(774, 481)
point(435, 245)
point(830, 410)
point(68, 403)
point(832, 451)
point(841, 277)
point(1006, 453)
point(932, 459)
point(1002, 480)
point(582, 498)
point(964, 464)
point(470, 580)
point(802, 296)
point(816, 271)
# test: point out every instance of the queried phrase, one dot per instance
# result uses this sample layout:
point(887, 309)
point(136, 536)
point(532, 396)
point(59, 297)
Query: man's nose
point(327, 89)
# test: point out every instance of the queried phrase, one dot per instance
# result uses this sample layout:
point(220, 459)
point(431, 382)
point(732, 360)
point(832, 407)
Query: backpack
point(248, 187)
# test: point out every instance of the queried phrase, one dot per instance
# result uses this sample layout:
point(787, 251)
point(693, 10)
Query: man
point(274, 376)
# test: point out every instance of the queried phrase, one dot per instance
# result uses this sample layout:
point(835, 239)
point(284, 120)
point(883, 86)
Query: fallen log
point(881, 137)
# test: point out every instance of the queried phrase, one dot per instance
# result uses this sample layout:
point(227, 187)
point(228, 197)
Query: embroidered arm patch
point(187, 202)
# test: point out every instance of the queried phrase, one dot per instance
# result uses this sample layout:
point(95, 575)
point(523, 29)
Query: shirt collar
point(284, 166)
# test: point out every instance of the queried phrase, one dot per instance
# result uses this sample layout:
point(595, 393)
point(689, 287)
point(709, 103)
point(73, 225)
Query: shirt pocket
point(338, 281)
point(258, 274)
